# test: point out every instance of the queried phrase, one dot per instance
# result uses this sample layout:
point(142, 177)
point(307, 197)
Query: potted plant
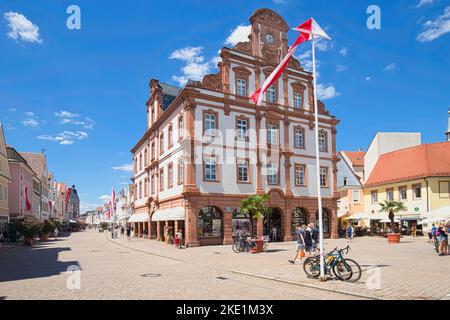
point(104, 225)
point(47, 227)
point(29, 227)
point(255, 207)
point(392, 207)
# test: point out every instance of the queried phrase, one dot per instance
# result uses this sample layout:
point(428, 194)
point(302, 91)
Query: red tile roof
point(356, 157)
point(425, 160)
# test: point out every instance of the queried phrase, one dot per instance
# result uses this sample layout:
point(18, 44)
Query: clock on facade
point(269, 39)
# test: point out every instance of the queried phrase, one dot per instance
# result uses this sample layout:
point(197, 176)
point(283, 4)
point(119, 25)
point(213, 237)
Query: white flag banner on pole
point(312, 31)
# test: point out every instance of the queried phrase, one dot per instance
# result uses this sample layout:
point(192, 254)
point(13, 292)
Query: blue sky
point(80, 94)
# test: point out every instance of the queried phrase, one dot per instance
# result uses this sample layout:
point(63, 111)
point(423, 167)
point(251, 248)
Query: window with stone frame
point(403, 193)
point(241, 85)
point(390, 194)
point(271, 94)
point(181, 171)
point(272, 134)
point(299, 137)
point(161, 143)
point(152, 186)
point(241, 76)
point(242, 125)
point(153, 153)
point(300, 175)
point(161, 179)
point(169, 175)
point(324, 177)
point(323, 141)
point(417, 191)
point(272, 174)
point(180, 127)
point(243, 170)
point(298, 101)
point(170, 136)
point(298, 89)
point(210, 122)
point(374, 197)
point(210, 169)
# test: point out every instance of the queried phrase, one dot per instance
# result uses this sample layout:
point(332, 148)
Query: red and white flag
point(311, 29)
point(113, 200)
point(257, 96)
point(308, 30)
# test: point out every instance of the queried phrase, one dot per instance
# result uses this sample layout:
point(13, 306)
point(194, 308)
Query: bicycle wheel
point(356, 270)
point(343, 271)
point(236, 248)
point(311, 266)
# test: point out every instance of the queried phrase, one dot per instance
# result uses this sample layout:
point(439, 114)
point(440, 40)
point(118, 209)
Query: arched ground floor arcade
point(215, 219)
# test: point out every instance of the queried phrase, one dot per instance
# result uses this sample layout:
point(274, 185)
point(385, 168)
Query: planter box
point(393, 237)
point(44, 237)
point(259, 247)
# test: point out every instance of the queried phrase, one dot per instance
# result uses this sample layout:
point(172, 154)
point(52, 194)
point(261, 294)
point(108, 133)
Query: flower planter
point(259, 247)
point(44, 237)
point(393, 237)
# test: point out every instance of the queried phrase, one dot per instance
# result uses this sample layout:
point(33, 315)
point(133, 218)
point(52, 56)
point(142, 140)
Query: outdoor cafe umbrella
point(431, 220)
point(443, 212)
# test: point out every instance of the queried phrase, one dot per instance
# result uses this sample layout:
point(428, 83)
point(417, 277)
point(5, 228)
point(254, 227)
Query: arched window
point(325, 220)
point(209, 223)
point(298, 218)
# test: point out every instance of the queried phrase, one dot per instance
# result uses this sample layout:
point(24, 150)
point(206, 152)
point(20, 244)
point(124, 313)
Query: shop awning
point(139, 217)
point(170, 214)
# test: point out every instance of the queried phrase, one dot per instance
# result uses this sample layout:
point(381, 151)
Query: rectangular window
point(444, 189)
point(170, 136)
point(355, 195)
point(145, 188)
point(417, 192)
point(272, 174)
point(323, 177)
point(374, 197)
point(300, 176)
point(140, 190)
point(145, 157)
point(272, 134)
point(181, 171)
point(322, 141)
point(298, 104)
point(153, 151)
point(272, 94)
point(242, 128)
point(153, 184)
point(298, 138)
point(161, 144)
point(180, 128)
point(390, 194)
point(170, 176)
point(403, 193)
point(161, 179)
point(241, 87)
point(242, 171)
point(210, 123)
point(210, 169)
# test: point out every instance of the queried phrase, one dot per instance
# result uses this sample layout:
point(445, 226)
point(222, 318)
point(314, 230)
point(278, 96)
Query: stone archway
point(327, 223)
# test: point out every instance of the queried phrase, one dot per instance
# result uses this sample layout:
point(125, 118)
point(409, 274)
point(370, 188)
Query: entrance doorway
point(272, 225)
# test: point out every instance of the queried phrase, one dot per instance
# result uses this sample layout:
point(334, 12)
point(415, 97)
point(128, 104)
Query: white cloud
point(105, 198)
point(368, 78)
point(86, 206)
point(425, 3)
point(341, 68)
point(66, 137)
point(124, 167)
point(29, 114)
point(390, 67)
point(435, 28)
point(325, 92)
point(344, 51)
point(279, 1)
point(324, 45)
point(239, 34)
point(66, 114)
point(30, 122)
point(21, 28)
point(195, 67)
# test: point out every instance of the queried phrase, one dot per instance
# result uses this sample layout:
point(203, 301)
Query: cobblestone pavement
point(409, 270)
point(109, 270)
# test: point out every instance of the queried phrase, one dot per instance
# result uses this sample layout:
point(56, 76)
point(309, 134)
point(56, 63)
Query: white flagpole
point(319, 193)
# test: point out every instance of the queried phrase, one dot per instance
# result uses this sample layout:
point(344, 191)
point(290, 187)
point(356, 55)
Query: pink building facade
point(21, 187)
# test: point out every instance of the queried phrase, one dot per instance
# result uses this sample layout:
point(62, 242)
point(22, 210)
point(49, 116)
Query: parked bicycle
point(344, 269)
point(242, 244)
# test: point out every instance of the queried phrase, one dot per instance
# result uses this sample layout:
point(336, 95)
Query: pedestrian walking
point(122, 231)
point(55, 233)
point(178, 241)
point(300, 253)
point(274, 234)
point(308, 240)
point(315, 238)
point(349, 232)
point(128, 233)
point(443, 240)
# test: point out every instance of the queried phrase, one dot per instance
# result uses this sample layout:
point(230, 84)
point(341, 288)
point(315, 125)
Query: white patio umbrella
point(432, 220)
point(443, 212)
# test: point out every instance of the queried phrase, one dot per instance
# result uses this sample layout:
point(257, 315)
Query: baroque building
point(207, 147)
